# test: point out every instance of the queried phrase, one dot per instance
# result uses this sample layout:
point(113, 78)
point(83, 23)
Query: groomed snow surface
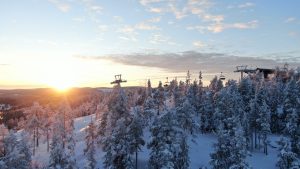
point(200, 149)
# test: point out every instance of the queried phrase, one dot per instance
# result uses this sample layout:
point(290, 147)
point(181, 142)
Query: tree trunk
point(255, 138)
point(47, 140)
point(33, 153)
point(136, 159)
point(37, 137)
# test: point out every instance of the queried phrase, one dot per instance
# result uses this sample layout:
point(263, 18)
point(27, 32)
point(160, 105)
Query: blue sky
point(87, 33)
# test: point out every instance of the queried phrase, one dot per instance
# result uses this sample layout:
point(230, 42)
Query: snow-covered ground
point(200, 149)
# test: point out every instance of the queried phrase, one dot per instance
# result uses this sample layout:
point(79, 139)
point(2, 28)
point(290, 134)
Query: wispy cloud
point(61, 5)
point(78, 19)
point(290, 19)
point(158, 39)
point(118, 18)
point(246, 5)
point(103, 28)
point(191, 60)
point(293, 34)
point(199, 44)
point(220, 27)
point(179, 10)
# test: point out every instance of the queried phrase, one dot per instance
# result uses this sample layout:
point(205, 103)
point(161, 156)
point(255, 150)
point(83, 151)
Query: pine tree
point(149, 88)
point(286, 158)
point(165, 143)
point(181, 159)
point(70, 148)
point(293, 130)
point(149, 109)
point(292, 111)
point(17, 153)
point(230, 150)
point(58, 157)
point(206, 113)
point(116, 142)
point(90, 149)
point(186, 115)
point(159, 98)
point(136, 133)
point(117, 147)
point(24, 152)
point(33, 124)
point(259, 117)
point(3, 133)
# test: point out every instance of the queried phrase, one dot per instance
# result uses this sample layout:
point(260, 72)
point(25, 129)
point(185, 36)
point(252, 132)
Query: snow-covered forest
point(251, 123)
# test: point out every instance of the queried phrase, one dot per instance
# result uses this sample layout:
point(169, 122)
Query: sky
point(84, 43)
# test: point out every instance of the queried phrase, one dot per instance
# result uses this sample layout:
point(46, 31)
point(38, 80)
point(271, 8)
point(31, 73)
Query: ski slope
point(200, 149)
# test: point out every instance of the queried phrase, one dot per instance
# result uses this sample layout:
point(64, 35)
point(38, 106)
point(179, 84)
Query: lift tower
point(118, 80)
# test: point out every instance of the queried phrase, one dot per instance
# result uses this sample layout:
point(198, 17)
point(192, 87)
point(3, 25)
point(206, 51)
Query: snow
point(200, 148)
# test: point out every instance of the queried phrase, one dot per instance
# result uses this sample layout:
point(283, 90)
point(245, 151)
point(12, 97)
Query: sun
point(61, 86)
point(60, 80)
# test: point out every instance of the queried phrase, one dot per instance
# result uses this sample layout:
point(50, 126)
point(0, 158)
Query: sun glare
point(61, 86)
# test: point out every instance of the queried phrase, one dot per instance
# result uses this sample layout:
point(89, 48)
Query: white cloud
point(145, 26)
point(128, 33)
point(290, 19)
point(78, 19)
point(246, 5)
point(103, 28)
point(146, 2)
point(249, 25)
point(96, 8)
point(155, 20)
point(220, 27)
point(293, 34)
point(156, 10)
point(118, 18)
point(199, 44)
point(61, 5)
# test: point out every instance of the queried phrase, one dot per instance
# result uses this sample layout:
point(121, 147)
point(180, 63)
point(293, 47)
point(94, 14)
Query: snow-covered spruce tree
point(18, 155)
point(3, 133)
point(58, 159)
point(178, 93)
point(136, 133)
point(70, 148)
point(159, 98)
point(259, 117)
point(276, 101)
point(286, 158)
point(33, 123)
point(116, 142)
point(186, 116)
point(149, 88)
point(166, 137)
point(117, 106)
point(149, 110)
point(292, 112)
point(264, 126)
point(192, 95)
point(181, 159)
point(206, 113)
point(228, 103)
point(24, 152)
point(118, 146)
point(230, 150)
point(90, 149)
point(293, 130)
point(215, 85)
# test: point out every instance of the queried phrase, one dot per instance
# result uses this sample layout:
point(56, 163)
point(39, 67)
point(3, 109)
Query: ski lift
point(167, 82)
point(222, 77)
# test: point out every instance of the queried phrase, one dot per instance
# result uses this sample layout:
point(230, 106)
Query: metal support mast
point(118, 80)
